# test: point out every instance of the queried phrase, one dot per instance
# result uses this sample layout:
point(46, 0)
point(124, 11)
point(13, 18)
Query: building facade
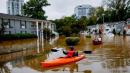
point(18, 24)
point(109, 27)
point(15, 7)
point(82, 10)
point(128, 26)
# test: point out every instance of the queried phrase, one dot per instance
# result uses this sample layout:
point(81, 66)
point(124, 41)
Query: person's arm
point(65, 52)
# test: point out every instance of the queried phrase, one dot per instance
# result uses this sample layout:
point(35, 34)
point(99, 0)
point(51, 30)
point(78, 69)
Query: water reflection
point(4, 69)
point(17, 45)
point(113, 56)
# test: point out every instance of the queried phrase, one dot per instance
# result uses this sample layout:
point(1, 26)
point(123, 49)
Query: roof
point(83, 6)
point(7, 16)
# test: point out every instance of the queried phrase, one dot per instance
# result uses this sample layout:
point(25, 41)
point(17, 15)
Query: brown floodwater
point(113, 56)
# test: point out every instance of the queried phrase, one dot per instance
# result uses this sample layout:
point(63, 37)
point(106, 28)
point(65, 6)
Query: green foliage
point(72, 41)
point(99, 11)
point(47, 33)
point(16, 36)
point(70, 25)
point(119, 9)
point(82, 23)
point(64, 26)
point(92, 20)
point(74, 35)
point(88, 36)
point(34, 9)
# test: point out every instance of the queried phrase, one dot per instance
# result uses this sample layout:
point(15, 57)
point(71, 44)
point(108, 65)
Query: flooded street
point(113, 56)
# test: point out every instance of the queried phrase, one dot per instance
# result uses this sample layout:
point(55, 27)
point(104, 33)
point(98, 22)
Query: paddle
point(54, 50)
point(86, 52)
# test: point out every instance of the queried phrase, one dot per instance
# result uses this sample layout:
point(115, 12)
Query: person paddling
point(71, 52)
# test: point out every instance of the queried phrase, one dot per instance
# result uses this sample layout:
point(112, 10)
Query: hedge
point(72, 41)
point(16, 36)
point(88, 36)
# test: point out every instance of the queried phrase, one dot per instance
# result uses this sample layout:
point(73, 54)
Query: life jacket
point(70, 53)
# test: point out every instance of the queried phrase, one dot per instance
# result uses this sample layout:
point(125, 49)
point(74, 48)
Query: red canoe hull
point(61, 61)
point(97, 42)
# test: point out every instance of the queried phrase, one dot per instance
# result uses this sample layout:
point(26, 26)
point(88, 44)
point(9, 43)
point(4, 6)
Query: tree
point(99, 11)
point(82, 23)
point(92, 20)
point(69, 26)
point(64, 25)
point(33, 9)
point(92, 12)
point(128, 12)
point(120, 7)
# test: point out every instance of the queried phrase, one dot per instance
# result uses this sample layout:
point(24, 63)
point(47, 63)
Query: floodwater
point(113, 56)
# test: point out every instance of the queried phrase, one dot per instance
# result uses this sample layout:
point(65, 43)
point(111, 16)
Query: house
point(19, 24)
point(108, 27)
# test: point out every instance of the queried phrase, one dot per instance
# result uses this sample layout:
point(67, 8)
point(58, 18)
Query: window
point(33, 32)
point(33, 26)
point(22, 24)
point(7, 32)
point(6, 23)
point(82, 11)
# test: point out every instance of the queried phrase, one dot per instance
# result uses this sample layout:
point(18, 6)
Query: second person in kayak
point(71, 52)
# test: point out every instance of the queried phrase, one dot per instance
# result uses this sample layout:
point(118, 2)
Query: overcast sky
point(58, 8)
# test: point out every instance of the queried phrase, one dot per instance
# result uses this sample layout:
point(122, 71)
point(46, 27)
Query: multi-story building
point(18, 24)
point(15, 7)
point(82, 10)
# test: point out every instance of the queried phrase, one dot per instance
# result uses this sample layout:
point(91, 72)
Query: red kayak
point(97, 42)
point(61, 61)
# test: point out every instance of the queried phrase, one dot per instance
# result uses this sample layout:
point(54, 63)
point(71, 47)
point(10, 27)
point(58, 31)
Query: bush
point(72, 41)
point(47, 33)
point(88, 36)
point(74, 35)
point(16, 36)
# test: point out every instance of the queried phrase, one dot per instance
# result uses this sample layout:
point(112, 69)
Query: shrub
point(88, 36)
point(72, 41)
point(74, 35)
point(47, 33)
point(16, 36)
